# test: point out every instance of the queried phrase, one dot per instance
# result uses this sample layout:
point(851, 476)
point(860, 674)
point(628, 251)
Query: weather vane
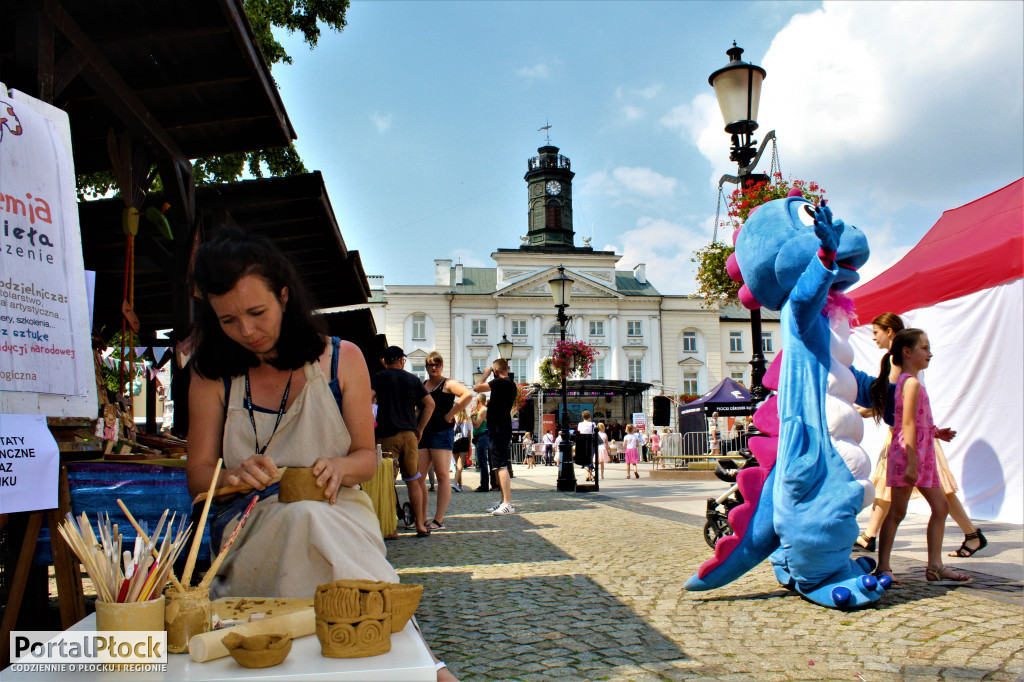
point(547, 127)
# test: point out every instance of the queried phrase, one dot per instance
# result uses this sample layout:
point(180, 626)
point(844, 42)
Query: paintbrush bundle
point(128, 576)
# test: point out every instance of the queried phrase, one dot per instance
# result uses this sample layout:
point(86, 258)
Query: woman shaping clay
point(269, 390)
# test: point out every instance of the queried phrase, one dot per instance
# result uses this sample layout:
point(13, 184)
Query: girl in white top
point(632, 444)
point(602, 447)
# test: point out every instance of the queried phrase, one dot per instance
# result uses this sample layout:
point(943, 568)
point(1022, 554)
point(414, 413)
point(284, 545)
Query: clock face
point(554, 187)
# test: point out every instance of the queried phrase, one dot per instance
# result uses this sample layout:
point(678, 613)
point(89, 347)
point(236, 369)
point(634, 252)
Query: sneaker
point(493, 508)
point(456, 487)
point(503, 509)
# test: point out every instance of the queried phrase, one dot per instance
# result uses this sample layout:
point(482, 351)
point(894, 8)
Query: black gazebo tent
point(728, 399)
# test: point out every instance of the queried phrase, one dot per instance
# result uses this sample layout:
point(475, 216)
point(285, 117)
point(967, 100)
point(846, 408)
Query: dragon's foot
point(847, 590)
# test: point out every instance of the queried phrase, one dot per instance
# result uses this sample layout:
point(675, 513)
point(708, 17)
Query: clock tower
point(549, 191)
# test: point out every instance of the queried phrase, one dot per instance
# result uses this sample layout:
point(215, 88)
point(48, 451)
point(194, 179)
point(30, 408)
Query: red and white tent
point(963, 283)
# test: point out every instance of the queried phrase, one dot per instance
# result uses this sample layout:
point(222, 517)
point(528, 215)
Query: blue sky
point(422, 115)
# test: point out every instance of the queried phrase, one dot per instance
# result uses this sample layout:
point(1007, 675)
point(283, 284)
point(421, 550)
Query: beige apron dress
point(287, 549)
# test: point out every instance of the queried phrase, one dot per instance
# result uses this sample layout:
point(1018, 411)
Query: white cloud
point(540, 70)
point(632, 113)
point(631, 184)
point(467, 258)
point(381, 121)
point(645, 182)
point(900, 110)
point(666, 248)
point(901, 100)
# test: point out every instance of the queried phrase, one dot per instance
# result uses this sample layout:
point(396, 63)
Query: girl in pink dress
point(911, 460)
point(632, 445)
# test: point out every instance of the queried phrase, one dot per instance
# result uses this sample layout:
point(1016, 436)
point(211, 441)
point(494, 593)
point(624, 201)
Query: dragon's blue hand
point(827, 231)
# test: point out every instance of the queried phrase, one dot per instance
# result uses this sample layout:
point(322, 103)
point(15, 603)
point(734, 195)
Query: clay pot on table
point(257, 651)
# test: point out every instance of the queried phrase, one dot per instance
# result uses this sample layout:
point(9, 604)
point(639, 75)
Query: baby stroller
point(717, 524)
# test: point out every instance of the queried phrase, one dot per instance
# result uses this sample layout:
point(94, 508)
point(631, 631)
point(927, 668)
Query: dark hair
point(908, 338)
point(223, 260)
point(881, 383)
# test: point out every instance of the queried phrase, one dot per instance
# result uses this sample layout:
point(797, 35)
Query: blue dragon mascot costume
point(801, 501)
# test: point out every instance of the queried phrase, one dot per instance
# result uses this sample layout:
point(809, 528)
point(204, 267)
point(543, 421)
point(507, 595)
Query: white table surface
point(407, 660)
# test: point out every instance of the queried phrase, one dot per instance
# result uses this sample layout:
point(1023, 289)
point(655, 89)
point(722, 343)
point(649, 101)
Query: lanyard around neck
point(252, 416)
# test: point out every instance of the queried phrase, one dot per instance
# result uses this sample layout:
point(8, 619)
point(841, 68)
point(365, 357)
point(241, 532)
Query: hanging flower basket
point(573, 358)
point(713, 282)
point(548, 378)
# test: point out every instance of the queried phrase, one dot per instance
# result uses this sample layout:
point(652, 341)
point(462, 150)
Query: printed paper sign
point(39, 260)
point(29, 464)
point(639, 421)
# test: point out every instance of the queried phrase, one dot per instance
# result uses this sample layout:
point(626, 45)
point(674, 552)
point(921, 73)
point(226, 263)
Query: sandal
point(966, 551)
point(934, 577)
point(434, 524)
point(868, 546)
point(895, 585)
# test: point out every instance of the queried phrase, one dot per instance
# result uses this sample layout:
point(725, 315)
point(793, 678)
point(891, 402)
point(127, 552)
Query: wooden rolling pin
point(208, 647)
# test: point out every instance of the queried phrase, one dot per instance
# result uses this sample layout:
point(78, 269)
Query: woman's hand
point(329, 474)
point(258, 471)
point(946, 434)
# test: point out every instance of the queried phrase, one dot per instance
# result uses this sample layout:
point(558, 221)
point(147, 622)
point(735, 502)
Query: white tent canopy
point(962, 284)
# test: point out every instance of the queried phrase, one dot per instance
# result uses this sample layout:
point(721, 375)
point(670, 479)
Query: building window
point(597, 370)
point(690, 383)
point(479, 327)
point(736, 342)
point(737, 377)
point(419, 327)
point(689, 342)
point(518, 327)
point(766, 343)
point(597, 328)
point(553, 214)
point(479, 364)
point(633, 328)
point(418, 366)
point(636, 369)
point(519, 369)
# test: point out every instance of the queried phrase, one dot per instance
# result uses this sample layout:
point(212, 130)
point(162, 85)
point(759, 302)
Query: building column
point(614, 372)
point(459, 351)
point(537, 341)
point(655, 347)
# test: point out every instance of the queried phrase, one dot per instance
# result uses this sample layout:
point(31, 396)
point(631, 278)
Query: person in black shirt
point(450, 398)
point(399, 395)
point(499, 429)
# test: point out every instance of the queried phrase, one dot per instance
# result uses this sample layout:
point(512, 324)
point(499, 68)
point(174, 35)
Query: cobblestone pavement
point(589, 586)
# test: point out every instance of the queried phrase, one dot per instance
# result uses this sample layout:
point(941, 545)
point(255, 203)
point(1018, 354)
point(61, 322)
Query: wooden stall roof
point(186, 75)
point(294, 211)
point(358, 327)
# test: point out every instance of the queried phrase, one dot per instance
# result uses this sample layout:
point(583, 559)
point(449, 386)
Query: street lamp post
point(738, 90)
point(561, 291)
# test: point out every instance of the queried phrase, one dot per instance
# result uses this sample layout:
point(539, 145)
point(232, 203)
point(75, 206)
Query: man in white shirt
point(549, 441)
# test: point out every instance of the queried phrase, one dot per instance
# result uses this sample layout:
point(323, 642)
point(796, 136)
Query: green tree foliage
point(304, 16)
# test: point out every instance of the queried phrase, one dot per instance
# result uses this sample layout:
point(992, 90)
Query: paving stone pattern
point(582, 586)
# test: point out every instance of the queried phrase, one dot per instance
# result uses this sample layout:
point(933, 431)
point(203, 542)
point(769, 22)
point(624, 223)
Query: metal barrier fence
point(680, 450)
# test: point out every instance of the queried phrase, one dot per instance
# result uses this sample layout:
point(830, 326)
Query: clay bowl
point(257, 651)
point(404, 601)
point(298, 484)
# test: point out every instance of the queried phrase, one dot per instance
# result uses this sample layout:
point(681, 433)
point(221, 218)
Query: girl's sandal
point(864, 543)
point(935, 577)
point(966, 551)
point(434, 524)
